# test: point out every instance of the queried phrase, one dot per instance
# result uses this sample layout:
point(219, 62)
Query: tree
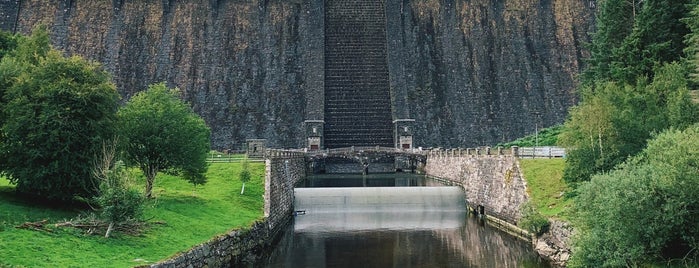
point(635, 37)
point(657, 38)
point(614, 22)
point(57, 113)
point(644, 211)
point(615, 120)
point(118, 202)
point(244, 175)
point(159, 132)
point(8, 42)
point(692, 42)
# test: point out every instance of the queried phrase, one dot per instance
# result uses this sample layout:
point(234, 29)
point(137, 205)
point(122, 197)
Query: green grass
point(546, 186)
point(190, 218)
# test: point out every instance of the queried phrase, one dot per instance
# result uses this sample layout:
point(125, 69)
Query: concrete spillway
point(396, 208)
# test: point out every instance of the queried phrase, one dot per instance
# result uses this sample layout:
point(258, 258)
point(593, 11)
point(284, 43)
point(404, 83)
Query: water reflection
point(470, 245)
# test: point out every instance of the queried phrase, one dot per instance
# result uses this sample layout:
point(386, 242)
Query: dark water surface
point(347, 234)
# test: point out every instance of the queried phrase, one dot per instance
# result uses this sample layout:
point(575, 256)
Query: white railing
point(543, 151)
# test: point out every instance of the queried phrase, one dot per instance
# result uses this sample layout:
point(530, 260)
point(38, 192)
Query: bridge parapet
point(472, 152)
point(361, 149)
point(520, 152)
point(284, 154)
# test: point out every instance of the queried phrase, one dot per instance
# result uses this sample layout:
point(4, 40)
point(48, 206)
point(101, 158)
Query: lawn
point(546, 186)
point(189, 217)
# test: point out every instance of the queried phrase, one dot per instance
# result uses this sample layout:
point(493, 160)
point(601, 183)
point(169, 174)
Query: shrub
point(532, 220)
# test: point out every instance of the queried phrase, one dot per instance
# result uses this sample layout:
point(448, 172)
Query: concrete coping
point(472, 152)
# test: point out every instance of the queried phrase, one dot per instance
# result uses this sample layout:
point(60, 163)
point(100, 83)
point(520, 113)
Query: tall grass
point(189, 216)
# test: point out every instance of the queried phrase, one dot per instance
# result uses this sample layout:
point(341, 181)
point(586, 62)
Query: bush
point(532, 220)
point(117, 200)
point(645, 211)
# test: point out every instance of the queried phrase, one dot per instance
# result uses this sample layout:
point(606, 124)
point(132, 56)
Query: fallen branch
point(37, 226)
point(100, 227)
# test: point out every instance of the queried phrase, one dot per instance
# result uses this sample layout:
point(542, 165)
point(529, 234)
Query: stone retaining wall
point(493, 182)
point(244, 247)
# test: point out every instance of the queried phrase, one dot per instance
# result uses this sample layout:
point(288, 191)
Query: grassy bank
point(189, 216)
point(546, 186)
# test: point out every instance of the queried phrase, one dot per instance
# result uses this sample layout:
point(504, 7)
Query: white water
point(389, 208)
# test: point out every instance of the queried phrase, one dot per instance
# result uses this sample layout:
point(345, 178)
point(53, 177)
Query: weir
point(374, 208)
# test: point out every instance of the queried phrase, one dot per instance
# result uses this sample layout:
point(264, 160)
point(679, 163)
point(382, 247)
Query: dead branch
point(36, 226)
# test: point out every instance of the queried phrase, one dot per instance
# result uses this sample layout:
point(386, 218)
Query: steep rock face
point(469, 71)
point(475, 72)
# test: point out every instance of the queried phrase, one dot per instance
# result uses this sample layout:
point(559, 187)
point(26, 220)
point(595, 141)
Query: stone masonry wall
point(245, 246)
point(492, 181)
point(468, 71)
point(283, 171)
point(8, 14)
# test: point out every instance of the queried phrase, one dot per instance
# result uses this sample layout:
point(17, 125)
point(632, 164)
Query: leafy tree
point(159, 132)
point(57, 113)
point(244, 175)
point(644, 210)
point(615, 121)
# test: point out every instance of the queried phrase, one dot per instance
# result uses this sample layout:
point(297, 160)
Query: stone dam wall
point(469, 72)
point(243, 247)
point(491, 179)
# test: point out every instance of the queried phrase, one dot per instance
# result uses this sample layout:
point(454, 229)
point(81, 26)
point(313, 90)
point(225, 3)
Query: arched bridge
point(373, 159)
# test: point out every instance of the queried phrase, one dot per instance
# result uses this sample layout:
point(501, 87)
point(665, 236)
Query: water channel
point(391, 220)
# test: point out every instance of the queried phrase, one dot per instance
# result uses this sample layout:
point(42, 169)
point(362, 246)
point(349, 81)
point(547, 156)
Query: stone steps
point(357, 97)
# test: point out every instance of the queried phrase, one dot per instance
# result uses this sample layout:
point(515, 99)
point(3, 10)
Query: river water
point(398, 220)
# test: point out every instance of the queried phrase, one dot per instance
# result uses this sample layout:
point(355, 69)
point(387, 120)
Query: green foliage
point(57, 113)
point(532, 220)
point(8, 42)
point(657, 38)
point(159, 132)
point(644, 210)
point(186, 221)
point(692, 42)
point(546, 137)
point(635, 37)
point(615, 120)
point(117, 200)
point(614, 22)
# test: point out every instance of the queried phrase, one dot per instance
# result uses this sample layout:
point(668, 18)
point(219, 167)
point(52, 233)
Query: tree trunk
point(150, 177)
point(243, 189)
point(109, 230)
point(599, 133)
point(149, 187)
